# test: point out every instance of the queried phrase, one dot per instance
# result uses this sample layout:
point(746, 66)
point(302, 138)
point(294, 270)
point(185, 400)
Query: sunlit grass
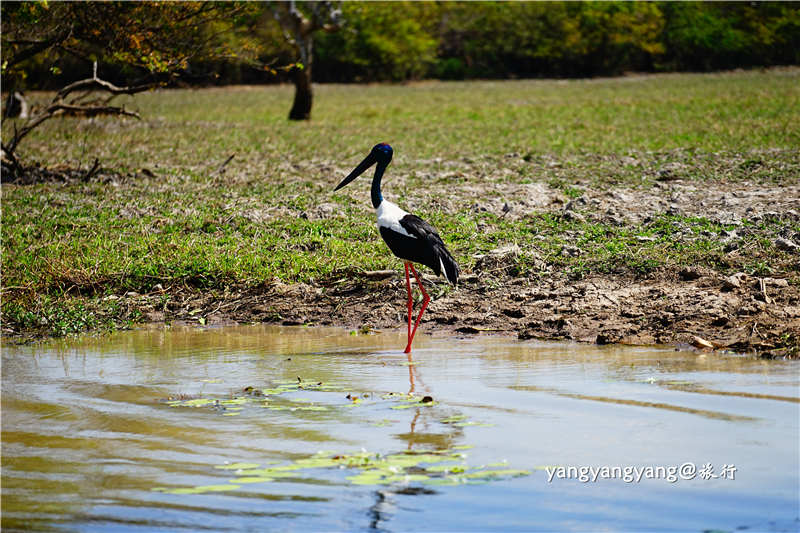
point(741, 111)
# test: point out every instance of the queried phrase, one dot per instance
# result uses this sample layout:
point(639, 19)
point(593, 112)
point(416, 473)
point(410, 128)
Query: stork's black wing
point(431, 250)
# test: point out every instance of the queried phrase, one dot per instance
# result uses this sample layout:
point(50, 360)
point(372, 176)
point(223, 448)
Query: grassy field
point(164, 213)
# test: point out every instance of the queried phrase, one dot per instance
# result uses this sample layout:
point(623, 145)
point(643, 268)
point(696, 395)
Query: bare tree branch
point(96, 82)
point(62, 104)
point(91, 110)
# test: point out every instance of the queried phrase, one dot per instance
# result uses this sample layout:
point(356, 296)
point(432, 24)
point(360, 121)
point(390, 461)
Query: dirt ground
point(688, 306)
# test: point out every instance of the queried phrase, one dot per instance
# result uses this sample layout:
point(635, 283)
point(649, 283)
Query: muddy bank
point(740, 313)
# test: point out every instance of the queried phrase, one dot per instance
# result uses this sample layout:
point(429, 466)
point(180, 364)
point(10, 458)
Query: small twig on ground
point(755, 330)
point(378, 274)
point(764, 290)
point(92, 171)
point(221, 168)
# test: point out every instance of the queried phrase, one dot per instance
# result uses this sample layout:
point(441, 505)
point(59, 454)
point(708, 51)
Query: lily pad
point(447, 469)
point(197, 402)
point(368, 477)
point(406, 460)
point(238, 466)
point(497, 473)
point(273, 392)
point(268, 472)
point(407, 478)
point(312, 408)
point(201, 489)
point(415, 404)
point(255, 479)
point(235, 401)
point(445, 481)
point(316, 462)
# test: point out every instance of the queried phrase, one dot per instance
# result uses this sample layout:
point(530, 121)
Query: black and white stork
point(409, 237)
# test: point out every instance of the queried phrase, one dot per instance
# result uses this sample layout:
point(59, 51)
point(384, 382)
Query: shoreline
point(693, 307)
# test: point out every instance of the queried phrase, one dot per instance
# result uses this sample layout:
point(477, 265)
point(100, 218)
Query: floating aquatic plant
point(237, 466)
point(437, 467)
point(261, 397)
point(265, 398)
point(452, 419)
point(200, 489)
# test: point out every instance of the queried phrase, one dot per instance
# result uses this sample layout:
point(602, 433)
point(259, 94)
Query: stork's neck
point(377, 197)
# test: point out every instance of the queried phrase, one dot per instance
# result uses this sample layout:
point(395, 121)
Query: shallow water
point(99, 434)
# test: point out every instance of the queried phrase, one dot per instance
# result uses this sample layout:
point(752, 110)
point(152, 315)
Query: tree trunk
point(16, 106)
point(299, 32)
point(303, 95)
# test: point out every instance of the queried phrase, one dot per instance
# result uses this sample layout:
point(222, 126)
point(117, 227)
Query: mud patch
point(741, 313)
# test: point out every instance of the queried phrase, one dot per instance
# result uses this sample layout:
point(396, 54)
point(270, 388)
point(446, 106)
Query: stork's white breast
point(389, 216)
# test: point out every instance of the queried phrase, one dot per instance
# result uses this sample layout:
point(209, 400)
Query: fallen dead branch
point(71, 100)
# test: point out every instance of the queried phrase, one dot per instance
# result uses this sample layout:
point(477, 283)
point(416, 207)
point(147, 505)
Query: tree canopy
point(48, 44)
point(44, 43)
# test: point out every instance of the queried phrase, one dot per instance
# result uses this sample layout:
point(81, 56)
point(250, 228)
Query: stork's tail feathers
point(447, 265)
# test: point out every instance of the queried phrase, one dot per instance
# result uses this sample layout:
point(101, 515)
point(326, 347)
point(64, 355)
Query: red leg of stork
point(410, 307)
point(425, 300)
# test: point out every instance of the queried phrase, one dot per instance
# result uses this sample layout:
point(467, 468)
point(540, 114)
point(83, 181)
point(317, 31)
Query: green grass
point(183, 223)
point(198, 129)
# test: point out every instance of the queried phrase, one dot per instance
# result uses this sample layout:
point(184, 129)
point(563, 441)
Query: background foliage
point(399, 41)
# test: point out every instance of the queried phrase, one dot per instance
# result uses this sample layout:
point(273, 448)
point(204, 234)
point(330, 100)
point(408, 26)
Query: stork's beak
point(364, 165)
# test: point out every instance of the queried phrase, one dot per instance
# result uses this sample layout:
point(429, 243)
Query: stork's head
point(380, 154)
point(383, 153)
